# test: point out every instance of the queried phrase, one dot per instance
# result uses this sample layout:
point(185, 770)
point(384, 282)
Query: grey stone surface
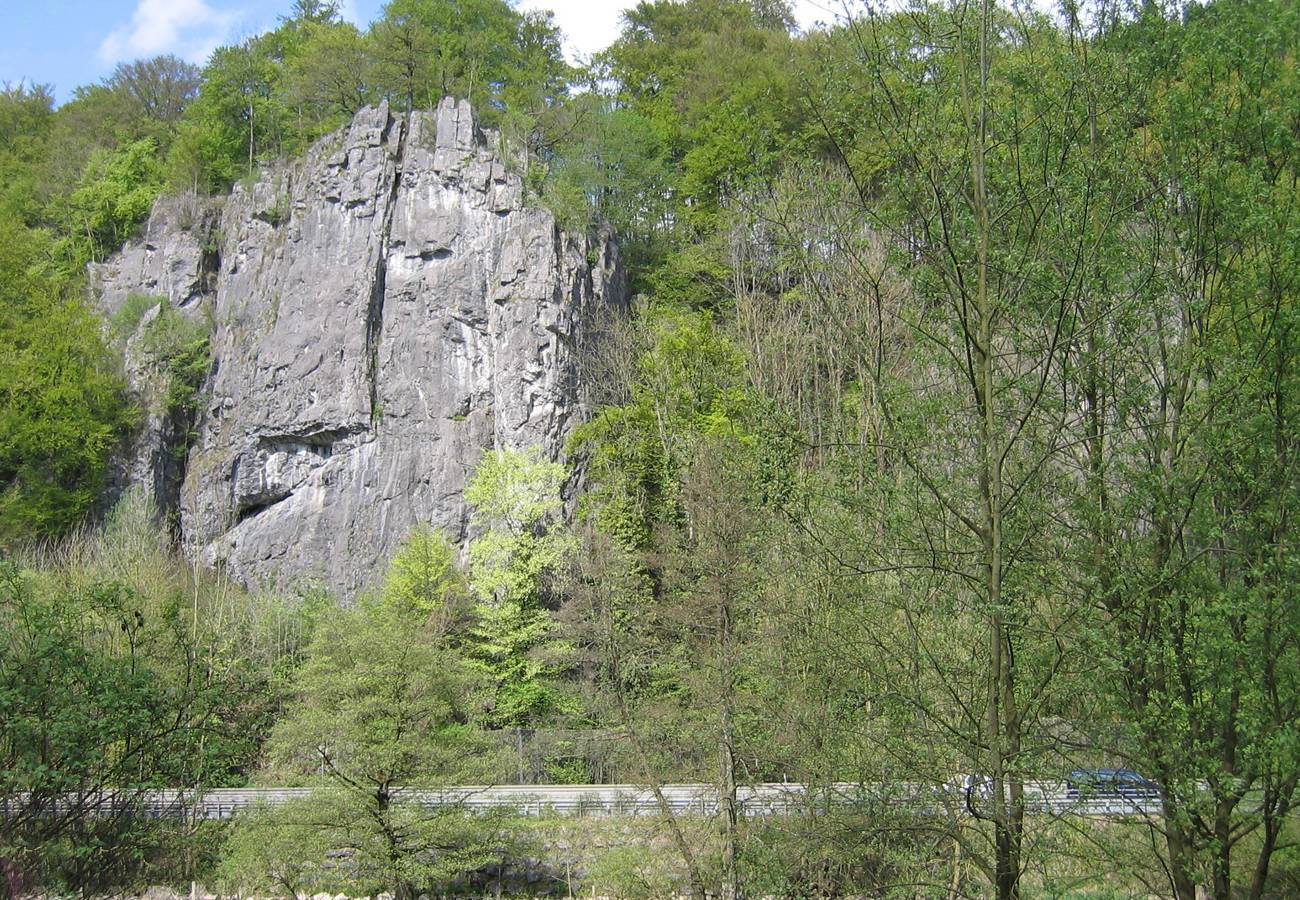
point(176, 259)
point(383, 310)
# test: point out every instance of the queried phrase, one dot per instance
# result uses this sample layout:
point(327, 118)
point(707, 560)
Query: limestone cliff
point(382, 311)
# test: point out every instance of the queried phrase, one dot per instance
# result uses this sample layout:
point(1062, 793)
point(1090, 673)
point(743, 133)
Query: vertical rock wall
point(383, 310)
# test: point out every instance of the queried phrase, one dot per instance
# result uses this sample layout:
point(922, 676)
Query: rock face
point(382, 311)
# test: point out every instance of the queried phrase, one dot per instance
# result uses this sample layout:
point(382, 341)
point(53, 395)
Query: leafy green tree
point(424, 580)
point(330, 74)
point(609, 164)
point(75, 720)
point(402, 45)
point(676, 65)
point(381, 704)
point(280, 848)
point(668, 596)
point(62, 404)
point(482, 50)
point(515, 497)
point(119, 674)
point(1189, 431)
point(26, 115)
point(115, 195)
point(534, 119)
point(238, 116)
point(684, 380)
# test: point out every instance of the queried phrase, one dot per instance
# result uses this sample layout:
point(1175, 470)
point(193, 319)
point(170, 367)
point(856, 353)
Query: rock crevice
point(383, 311)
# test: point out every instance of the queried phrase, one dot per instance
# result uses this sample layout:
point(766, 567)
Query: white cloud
point(592, 25)
point(348, 12)
point(191, 29)
point(587, 27)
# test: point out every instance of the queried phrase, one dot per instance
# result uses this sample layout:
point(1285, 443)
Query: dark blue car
point(1125, 783)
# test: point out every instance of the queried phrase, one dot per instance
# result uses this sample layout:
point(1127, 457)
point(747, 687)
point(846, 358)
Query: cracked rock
point(383, 310)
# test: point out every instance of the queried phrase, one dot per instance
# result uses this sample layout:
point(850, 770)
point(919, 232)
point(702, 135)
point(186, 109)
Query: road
point(625, 799)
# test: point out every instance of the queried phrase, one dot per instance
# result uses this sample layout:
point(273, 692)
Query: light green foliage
point(611, 165)
point(423, 579)
point(279, 849)
point(116, 192)
point(62, 409)
point(273, 94)
point(72, 714)
point(677, 65)
point(539, 80)
point(269, 96)
point(516, 497)
point(179, 346)
point(478, 49)
point(630, 872)
point(330, 73)
point(230, 650)
point(124, 322)
point(1194, 597)
point(688, 381)
point(513, 492)
point(25, 118)
point(330, 843)
point(236, 119)
point(379, 700)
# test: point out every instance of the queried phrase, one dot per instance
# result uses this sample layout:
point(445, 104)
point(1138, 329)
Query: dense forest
point(953, 433)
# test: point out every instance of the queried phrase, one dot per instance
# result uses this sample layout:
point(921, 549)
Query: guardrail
point(606, 800)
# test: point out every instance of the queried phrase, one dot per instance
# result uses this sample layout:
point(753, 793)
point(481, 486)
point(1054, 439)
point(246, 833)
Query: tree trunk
point(1272, 826)
point(727, 758)
point(1223, 850)
point(1002, 721)
point(1180, 856)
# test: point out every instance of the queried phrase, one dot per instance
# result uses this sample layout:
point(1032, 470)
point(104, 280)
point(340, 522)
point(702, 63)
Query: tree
point(402, 44)
point(970, 459)
point(279, 848)
point(330, 74)
point(62, 403)
point(238, 115)
point(676, 65)
point(482, 50)
point(78, 723)
point(160, 87)
point(682, 475)
point(714, 569)
point(381, 704)
point(26, 114)
point(609, 165)
point(319, 12)
point(115, 195)
point(122, 671)
point(1189, 436)
point(515, 497)
point(423, 580)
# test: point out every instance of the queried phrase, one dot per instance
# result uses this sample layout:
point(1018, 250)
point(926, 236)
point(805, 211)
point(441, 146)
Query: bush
point(123, 323)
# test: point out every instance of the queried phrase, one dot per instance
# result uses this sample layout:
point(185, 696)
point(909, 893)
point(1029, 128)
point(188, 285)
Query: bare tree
point(161, 86)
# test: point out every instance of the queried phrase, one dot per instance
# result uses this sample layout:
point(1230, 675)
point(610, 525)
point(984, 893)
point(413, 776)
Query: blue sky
point(68, 43)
